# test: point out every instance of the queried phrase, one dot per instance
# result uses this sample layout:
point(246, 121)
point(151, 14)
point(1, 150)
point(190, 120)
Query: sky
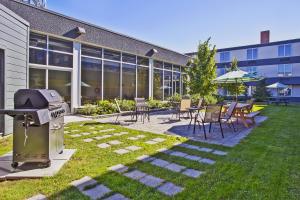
point(181, 24)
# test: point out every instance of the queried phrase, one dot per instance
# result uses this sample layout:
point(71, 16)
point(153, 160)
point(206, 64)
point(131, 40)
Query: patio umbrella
point(83, 84)
point(237, 76)
point(277, 85)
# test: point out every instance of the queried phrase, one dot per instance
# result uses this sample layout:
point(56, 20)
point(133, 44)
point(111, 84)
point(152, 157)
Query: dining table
point(240, 112)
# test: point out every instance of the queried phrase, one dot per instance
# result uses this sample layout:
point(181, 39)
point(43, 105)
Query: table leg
point(242, 117)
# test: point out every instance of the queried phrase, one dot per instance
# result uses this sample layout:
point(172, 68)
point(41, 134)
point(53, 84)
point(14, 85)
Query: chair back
point(231, 109)
point(200, 103)
point(118, 106)
point(251, 103)
point(185, 104)
point(212, 113)
point(139, 102)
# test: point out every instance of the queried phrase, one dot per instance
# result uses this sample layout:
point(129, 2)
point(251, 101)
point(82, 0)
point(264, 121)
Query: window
point(60, 45)
point(285, 92)
point(284, 50)
point(37, 40)
point(38, 49)
point(60, 59)
point(225, 56)
point(37, 56)
point(128, 58)
point(176, 68)
point(221, 71)
point(112, 55)
point(285, 70)
point(167, 84)
point(61, 82)
point(2, 100)
point(91, 51)
point(184, 87)
point(168, 66)
point(128, 81)
point(37, 78)
point(111, 80)
point(91, 80)
point(158, 64)
point(142, 61)
point(143, 82)
point(158, 79)
point(176, 82)
point(252, 54)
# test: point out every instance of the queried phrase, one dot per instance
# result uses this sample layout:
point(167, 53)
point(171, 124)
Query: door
point(1, 90)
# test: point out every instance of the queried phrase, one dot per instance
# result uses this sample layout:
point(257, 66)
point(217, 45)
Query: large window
point(91, 80)
point(284, 50)
point(176, 82)
point(128, 81)
point(143, 82)
point(252, 54)
point(158, 80)
point(167, 84)
point(252, 69)
point(112, 55)
point(225, 56)
point(61, 82)
point(111, 80)
point(285, 70)
point(37, 78)
point(38, 49)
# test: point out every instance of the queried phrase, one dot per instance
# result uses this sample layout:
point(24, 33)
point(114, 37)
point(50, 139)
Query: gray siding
point(14, 32)
point(50, 22)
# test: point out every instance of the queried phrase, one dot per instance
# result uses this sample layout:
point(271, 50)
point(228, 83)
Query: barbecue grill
point(38, 126)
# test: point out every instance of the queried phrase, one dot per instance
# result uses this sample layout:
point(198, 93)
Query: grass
point(265, 165)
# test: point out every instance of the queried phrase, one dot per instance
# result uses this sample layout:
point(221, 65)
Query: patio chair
point(212, 116)
point(227, 116)
point(122, 113)
point(250, 107)
point(141, 107)
point(185, 105)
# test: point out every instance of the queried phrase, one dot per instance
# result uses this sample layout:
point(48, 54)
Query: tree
point(202, 70)
point(234, 88)
point(261, 93)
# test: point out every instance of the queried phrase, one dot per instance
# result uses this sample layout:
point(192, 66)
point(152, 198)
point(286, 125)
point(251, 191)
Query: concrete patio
point(166, 123)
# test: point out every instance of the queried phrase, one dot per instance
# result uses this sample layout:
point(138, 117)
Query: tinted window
point(168, 66)
point(112, 55)
point(37, 40)
point(281, 50)
point(143, 61)
point(158, 64)
point(158, 79)
point(129, 58)
point(91, 51)
point(176, 83)
point(61, 60)
point(37, 78)
point(37, 56)
point(61, 82)
point(176, 68)
point(111, 80)
point(143, 82)
point(60, 45)
point(128, 81)
point(167, 84)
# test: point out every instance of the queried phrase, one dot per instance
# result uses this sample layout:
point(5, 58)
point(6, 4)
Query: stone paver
point(103, 145)
point(80, 184)
point(133, 148)
point(121, 151)
point(116, 197)
point(192, 157)
point(169, 189)
point(207, 161)
point(159, 139)
point(204, 149)
point(165, 150)
point(75, 135)
point(121, 133)
point(140, 136)
point(132, 138)
point(102, 137)
point(38, 197)
point(114, 142)
point(192, 173)
point(66, 132)
point(145, 158)
point(118, 168)
point(175, 167)
point(97, 192)
point(106, 130)
point(86, 133)
point(88, 140)
point(178, 154)
point(151, 142)
point(159, 162)
point(219, 153)
point(94, 132)
point(73, 131)
point(92, 127)
point(135, 174)
point(151, 181)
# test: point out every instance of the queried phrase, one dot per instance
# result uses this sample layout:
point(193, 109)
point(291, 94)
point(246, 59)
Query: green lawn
point(265, 165)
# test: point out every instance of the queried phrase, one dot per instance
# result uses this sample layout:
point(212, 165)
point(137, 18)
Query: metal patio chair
point(184, 107)
point(142, 108)
point(227, 116)
point(122, 113)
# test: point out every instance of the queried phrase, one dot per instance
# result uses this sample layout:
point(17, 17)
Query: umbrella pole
point(236, 91)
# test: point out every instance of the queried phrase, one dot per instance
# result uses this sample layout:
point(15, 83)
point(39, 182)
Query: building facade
point(275, 61)
point(86, 63)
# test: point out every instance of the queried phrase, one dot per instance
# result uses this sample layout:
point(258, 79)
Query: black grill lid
point(36, 98)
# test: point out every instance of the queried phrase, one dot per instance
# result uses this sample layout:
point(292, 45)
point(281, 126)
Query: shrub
point(126, 105)
point(106, 107)
point(175, 98)
point(210, 99)
point(157, 104)
point(88, 109)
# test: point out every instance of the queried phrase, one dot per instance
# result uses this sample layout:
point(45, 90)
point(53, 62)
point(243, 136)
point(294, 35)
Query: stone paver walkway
point(38, 197)
point(202, 149)
point(91, 188)
point(127, 150)
point(159, 184)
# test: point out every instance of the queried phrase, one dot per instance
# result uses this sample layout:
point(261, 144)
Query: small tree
point(261, 93)
point(234, 88)
point(202, 70)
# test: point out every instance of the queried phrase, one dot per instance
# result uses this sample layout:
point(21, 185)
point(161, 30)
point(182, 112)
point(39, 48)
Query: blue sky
point(181, 24)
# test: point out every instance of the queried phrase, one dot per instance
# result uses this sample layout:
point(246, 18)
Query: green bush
point(106, 107)
point(88, 109)
point(210, 99)
point(126, 105)
point(175, 98)
point(157, 104)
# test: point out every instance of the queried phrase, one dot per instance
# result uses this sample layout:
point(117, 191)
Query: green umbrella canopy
point(237, 76)
point(277, 85)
